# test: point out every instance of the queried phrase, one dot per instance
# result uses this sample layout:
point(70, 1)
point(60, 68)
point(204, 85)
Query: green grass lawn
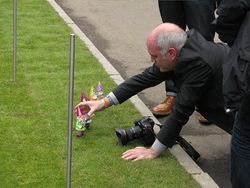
point(33, 113)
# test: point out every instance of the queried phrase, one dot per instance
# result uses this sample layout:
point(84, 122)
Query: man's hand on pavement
point(140, 153)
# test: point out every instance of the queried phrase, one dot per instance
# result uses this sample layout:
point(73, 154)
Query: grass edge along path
point(33, 112)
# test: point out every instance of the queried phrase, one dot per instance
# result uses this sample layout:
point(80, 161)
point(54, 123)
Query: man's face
point(163, 62)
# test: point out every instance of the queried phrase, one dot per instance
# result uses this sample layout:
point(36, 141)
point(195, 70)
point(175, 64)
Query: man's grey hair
point(167, 40)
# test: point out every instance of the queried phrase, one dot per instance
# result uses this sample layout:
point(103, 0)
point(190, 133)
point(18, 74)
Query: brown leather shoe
point(165, 107)
point(203, 120)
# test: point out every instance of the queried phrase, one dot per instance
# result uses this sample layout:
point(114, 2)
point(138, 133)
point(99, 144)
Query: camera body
point(143, 129)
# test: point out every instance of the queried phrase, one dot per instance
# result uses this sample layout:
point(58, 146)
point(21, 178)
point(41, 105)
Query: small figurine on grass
point(99, 91)
point(82, 119)
point(92, 94)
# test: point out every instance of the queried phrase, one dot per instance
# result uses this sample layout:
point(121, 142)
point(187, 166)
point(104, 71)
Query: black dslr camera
point(143, 129)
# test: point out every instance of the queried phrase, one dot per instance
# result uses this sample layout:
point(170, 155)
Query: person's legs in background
point(240, 146)
point(173, 12)
point(199, 15)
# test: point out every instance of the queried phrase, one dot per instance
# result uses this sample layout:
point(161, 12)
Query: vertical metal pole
point(70, 106)
point(14, 38)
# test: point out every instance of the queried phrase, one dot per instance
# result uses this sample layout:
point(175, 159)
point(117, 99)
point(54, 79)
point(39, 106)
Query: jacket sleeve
point(148, 78)
point(233, 10)
point(195, 83)
point(230, 16)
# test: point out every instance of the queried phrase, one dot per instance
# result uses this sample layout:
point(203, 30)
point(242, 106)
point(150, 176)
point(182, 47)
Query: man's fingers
point(129, 157)
point(137, 149)
point(127, 152)
point(134, 154)
point(139, 153)
point(81, 104)
point(141, 157)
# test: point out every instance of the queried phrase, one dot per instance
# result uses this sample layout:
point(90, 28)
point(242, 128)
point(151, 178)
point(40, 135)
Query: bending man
point(196, 65)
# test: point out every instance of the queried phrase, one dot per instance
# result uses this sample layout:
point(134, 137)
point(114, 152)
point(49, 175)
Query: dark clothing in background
point(240, 146)
point(199, 83)
point(231, 13)
point(236, 81)
point(197, 14)
point(233, 27)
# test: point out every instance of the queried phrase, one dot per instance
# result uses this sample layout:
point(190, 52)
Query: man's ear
point(172, 53)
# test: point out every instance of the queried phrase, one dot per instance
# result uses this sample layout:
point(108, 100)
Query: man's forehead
point(152, 49)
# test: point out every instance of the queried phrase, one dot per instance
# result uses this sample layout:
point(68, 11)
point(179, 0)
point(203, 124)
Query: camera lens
point(126, 135)
point(121, 134)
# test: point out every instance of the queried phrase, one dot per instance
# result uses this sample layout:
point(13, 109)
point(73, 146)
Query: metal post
point(70, 107)
point(14, 38)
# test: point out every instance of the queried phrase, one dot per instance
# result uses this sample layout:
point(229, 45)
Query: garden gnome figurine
point(82, 119)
